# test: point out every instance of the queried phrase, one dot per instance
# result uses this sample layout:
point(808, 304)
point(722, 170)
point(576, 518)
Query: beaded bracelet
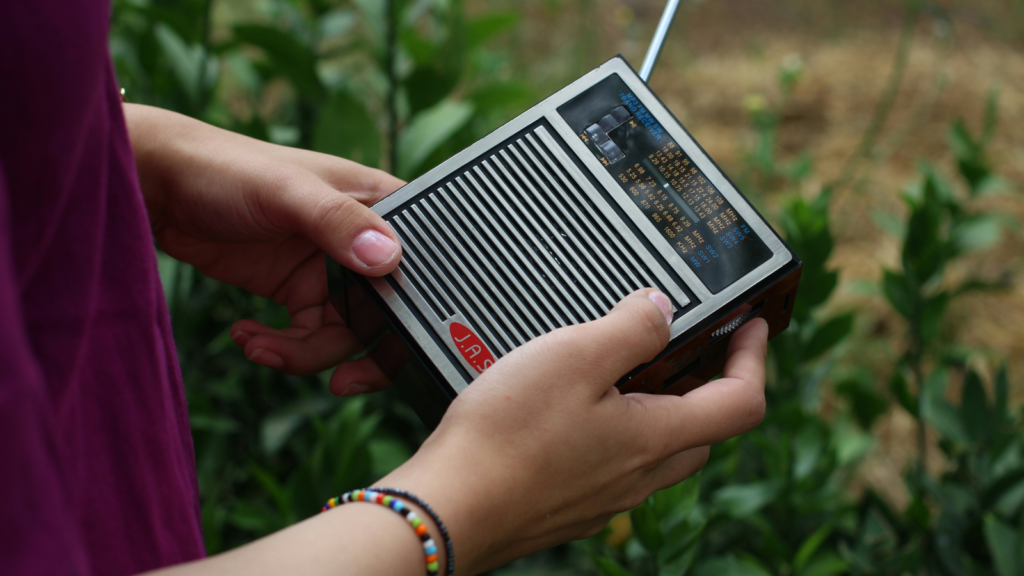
point(433, 515)
point(380, 496)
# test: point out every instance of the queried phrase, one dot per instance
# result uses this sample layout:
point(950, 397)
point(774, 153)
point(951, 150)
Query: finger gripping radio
point(553, 218)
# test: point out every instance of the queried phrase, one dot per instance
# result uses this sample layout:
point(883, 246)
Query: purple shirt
point(97, 473)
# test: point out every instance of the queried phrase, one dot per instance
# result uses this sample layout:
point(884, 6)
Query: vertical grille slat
point(491, 244)
point(467, 303)
point(633, 264)
point(496, 316)
point(516, 244)
point(442, 307)
point(482, 282)
point(517, 231)
point(460, 228)
point(568, 256)
point(547, 191)
point(555, 270)
point(601, 231)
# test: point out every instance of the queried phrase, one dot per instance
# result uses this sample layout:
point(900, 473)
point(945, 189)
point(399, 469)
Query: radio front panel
point(554, 217)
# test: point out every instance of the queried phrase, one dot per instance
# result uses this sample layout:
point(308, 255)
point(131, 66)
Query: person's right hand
point(542, 448)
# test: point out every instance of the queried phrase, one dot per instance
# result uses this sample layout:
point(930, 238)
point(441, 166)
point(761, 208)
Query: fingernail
point(662, 301)
point(267, 358)
point(354, 388)
point(372, 249)
point(240, 338)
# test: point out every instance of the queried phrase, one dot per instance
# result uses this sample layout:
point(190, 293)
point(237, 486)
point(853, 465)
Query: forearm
point(358, 538)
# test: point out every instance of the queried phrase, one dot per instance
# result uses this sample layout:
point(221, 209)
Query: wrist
point(457, 487)
point(154, 134)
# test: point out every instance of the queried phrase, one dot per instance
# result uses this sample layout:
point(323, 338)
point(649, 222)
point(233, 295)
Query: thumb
point(634, 332)
point(599, 352)
point(340, 225)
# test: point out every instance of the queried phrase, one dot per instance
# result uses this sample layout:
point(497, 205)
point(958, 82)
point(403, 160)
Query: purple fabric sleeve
point(35, 520)
point(96, 461)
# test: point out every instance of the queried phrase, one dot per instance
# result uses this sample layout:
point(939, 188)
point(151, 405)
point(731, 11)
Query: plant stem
point(884, 106)
point(391, 41)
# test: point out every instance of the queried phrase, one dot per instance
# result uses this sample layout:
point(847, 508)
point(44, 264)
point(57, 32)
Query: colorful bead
point(374, 497)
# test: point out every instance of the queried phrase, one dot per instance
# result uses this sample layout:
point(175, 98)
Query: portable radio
point(554, 217)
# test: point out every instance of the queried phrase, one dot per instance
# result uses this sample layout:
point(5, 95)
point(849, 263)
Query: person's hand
point(260, 216)
point(542, 448)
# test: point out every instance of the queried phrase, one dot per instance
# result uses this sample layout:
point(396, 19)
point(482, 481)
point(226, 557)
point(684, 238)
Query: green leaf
point(826, 564)
point(940, 413)
point(919, 514)
point(961, 142)
point(387, 454)
point(501, 96)
point(974, 410)
point(1002, 386)
point(742, 500)
point(924, 249)
point(677, 501)
point(346, 129)
point(1003, 544)
point(976, 233)
point(646, 528)
point(679, 564)
point(933, 312)
point(828, 335)
point(429, 84)
point(728, 566)
point(810, 546)
point(288, 57)
point(899, 388)
point(866, 402)
point(185, 60)
point(815, 288)
point(850, 443)
point(898, 293)
point(275, 489)
point(610, 567)
point(808, 449)
point(277, 428)
point(428, 130)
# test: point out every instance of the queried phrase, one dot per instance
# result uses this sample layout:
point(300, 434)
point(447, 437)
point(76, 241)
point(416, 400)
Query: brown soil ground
point(722, 52)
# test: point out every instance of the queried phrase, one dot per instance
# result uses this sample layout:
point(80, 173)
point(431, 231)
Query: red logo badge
point(471, 347)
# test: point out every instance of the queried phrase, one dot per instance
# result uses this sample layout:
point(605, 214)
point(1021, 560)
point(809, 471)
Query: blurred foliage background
point(880, 138)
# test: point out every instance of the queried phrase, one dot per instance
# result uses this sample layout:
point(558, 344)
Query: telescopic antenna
point(659, 39)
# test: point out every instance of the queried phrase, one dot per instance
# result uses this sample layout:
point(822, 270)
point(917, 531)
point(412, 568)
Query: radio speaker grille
point(516, 246)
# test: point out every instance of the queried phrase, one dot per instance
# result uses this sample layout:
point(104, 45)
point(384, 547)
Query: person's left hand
point(260, 216)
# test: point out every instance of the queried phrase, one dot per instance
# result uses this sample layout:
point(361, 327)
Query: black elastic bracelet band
point(437, 520)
